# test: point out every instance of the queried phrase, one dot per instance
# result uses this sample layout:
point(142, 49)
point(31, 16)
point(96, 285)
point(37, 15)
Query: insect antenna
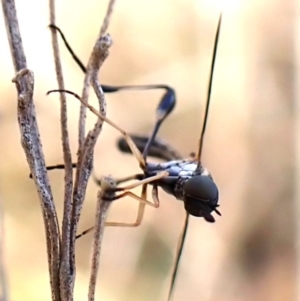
point(180, 245)
point(198, 158)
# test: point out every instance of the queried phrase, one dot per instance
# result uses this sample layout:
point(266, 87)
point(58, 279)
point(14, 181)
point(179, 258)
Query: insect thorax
point(179, 172)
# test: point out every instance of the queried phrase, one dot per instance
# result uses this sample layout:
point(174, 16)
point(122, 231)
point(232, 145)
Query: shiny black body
point(186, 183)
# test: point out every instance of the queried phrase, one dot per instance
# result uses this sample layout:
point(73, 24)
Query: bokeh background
point(250, 252)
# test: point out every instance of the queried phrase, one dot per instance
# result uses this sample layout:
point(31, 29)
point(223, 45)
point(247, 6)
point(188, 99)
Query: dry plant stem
point(67, 270)
point(107, 183)
point(297, 145)
point(87, 79)
point(14, 36)
point(85, 154)
point(3, 279)
point(32, 146)
point(82, 114)
point(107, 17)
point(31, 143)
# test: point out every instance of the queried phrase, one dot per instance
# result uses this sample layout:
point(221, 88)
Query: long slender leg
point(138, 198)
point(141, 209)
point(57, 166)
point(139, 183)
point(106, 88)
point(60, 166)
point(74, 56)
point(164, 108)
point(85, 232)
point(139, 176)
point(155, 195)
point(145, 181)
point(128, 139)
point(143, 202)
point(140, 214)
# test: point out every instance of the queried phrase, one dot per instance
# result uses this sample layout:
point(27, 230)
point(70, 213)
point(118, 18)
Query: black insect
point(186, 179)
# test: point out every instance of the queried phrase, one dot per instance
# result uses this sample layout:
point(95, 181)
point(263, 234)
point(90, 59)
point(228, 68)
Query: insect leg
point(159, 149)
point(74, 56)
point(164, 108)
point(85, 232)
point(143, 202)
point(57, 166)
point(139, 176)
point(140, 214)
point(144, 181)
point(131, 144)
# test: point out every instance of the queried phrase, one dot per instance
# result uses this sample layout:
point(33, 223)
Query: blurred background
point(250, 252)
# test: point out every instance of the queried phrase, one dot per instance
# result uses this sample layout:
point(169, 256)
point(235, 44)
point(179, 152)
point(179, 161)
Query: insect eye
point(202, 188)
point(201, 196)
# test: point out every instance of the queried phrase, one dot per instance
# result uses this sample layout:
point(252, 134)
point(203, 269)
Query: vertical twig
point(62, 274)
point(85, 154)
point(31, 143)
point(107, 17)
point(297, 146)
point(86, 146)
point(103, 202)
point(30, 140)
point(3, 280)
point(67, 268)
point(87, 79)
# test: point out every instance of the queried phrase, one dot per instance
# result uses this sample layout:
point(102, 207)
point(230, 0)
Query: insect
point(185, 179)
